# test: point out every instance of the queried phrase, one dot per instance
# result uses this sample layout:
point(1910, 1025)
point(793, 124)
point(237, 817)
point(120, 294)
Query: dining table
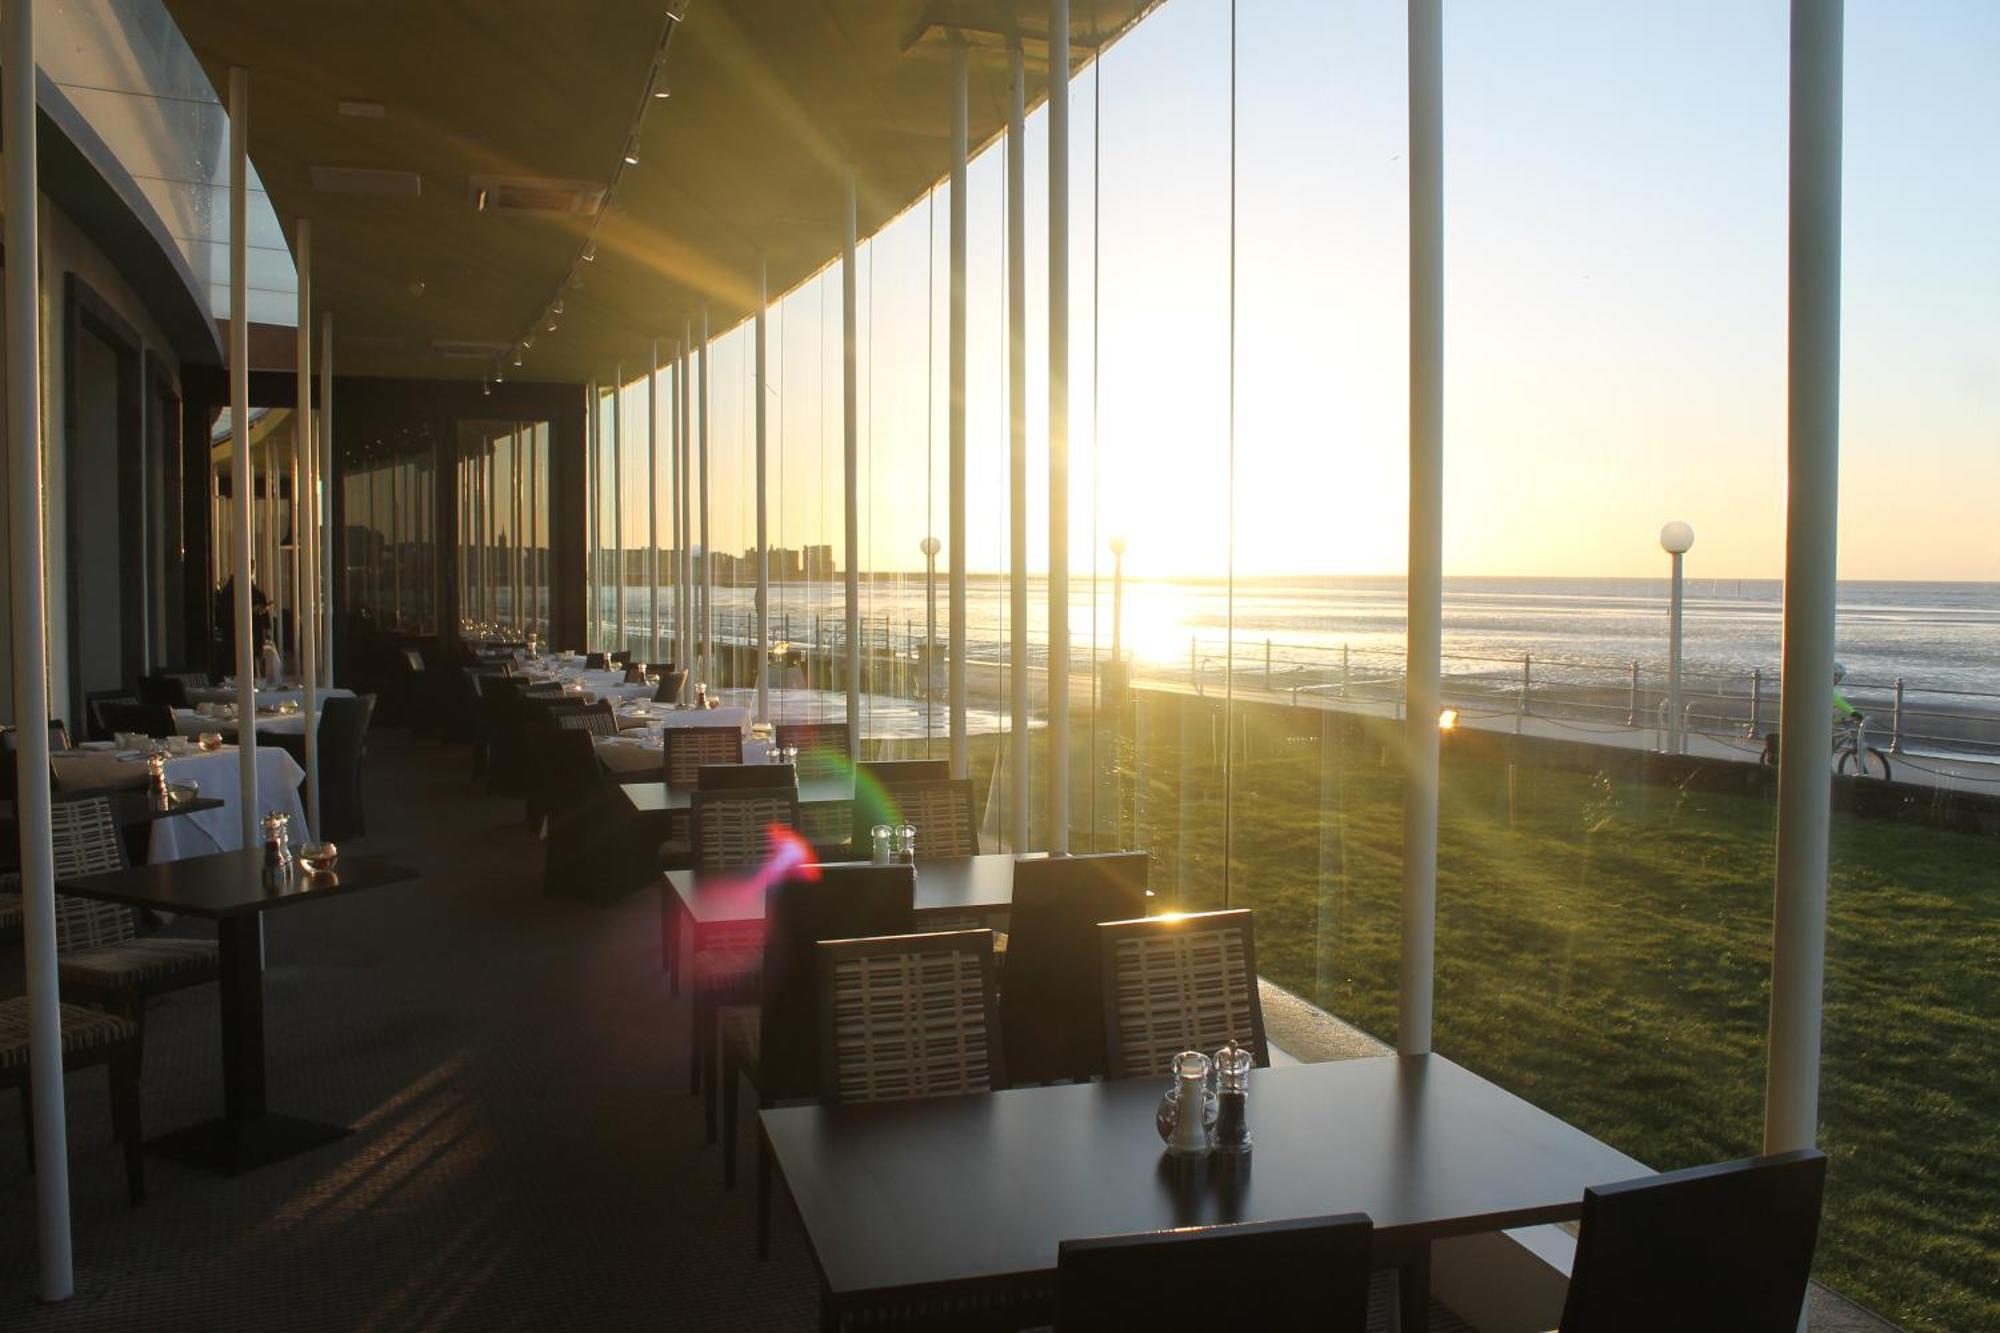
point(962, 1202)
point(133, 809)
point(235, 889)
point(268, 696)
point(214, 774)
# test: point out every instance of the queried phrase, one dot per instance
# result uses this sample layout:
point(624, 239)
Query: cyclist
point(1843, 711)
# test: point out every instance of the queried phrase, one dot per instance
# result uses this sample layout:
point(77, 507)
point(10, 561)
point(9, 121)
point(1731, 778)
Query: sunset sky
point(1615, 322)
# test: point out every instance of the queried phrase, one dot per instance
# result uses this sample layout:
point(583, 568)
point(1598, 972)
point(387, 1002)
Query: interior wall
point(65, 250)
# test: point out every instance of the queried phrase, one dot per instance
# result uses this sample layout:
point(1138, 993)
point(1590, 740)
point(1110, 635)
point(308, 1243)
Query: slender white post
point(677, 433)
point(239, 420)
point(684, 567)
point(706, 659)
point(594, 561)
point(930, 550)
point(322, 477)
point(851, 472)
point(1676, 539)
point(1422, 685)
point(1059, 427)
point(653, 502)
point(758, 387)
point(31, 687)
point(618, 508)
point(1805, 729)
point(514, 567)
point(305, 530)
point(1019, 834)
point(955, 683)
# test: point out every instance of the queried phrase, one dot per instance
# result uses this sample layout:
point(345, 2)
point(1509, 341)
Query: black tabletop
point(651, 797)
point(945, 885)
point(230, 883)
point(129, 805)
point(984, 1188)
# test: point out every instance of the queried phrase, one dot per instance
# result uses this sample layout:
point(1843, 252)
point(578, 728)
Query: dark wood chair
point(822, 746)
point(596, 719)
point(1308, 1275)
point(89, 1037)
point(742, 777)
point(1054, 960)
point(166, 691)
point(95, 727)
point(942, 812)
point(621, 658)
point(155, 720)
point(903, 1017)
point(9, 774)
point(688, 749)
point(101, 959)
point(672, 684)
point(775, 1042)
point(872, 776)
point(343, 746)
point(1177, 983)
point(1727, 1246)
point(596, 662)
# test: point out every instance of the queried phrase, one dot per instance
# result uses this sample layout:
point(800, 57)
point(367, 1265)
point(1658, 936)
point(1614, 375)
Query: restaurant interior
point(596, 773)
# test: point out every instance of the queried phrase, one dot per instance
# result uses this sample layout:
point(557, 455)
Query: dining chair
point(1728, 1245)
point(9, 769)
point(822, 746)
point(672, 684)
point(1054, 966)
point(597, 719)
point(1303, 1275)
point(942, 813)
point(95, 726)
point(1177, 983)
point(101, 960)
point(343, 745)
point(155, 720)
point(163, 690)
point(774, 1043)
point(88, 1037)
point(622, 658)
point(904, 1017)
point(872, 776)
point(596, 662)
point(737, 777)
point(688, 748)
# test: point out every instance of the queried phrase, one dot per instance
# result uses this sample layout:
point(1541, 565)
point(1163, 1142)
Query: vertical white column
point(1805, 729)
point(705, 668)
point(678, 449)
point(239, 420)
point(305, 530)
point(617, 643)
point(322, 475)
point(1019, 834)
point(684, 567)
point(29, 604)
point(851, 472)
point(1059, 427)
point(594, 555)
point(955, 481)
point(1422, 686)
point(759, 389)
point(653, 503)
point(515, 454)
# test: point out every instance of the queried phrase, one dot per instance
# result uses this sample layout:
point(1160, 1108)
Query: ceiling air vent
point(528, 195)
point(460, 349)
point(367, 180)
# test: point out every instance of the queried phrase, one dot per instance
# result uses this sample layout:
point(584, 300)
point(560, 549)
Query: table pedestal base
point(231, 1148)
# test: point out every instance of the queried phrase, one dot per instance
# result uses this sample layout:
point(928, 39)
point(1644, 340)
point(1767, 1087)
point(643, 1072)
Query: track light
point(632, 154)
point(517, 357)
point(590, 252)
point(485, 386)
point(556, 309)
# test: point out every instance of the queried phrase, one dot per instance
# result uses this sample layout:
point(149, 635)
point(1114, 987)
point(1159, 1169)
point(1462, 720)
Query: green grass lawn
point(1603, 950)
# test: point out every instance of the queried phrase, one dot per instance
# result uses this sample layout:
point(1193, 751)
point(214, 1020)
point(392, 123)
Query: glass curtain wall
point(502, 477)
point(390, 502)
point(1239, 494)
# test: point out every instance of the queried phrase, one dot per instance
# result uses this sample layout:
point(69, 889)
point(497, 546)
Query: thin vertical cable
point(1229, 523)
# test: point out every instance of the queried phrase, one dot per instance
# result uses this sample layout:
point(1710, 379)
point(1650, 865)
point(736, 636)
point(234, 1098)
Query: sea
point(1936, 637)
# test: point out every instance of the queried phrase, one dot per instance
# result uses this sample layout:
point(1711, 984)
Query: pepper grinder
point(1232, 1095)
point(278, 841)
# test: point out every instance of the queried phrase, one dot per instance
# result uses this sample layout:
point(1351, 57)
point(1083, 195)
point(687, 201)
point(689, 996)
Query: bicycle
point(1852, 755)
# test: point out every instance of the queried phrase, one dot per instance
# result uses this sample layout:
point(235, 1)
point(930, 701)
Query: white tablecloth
point(266, 696)
point(634, 715)
point(217, 775)
point(190, 723)
point(643, 752)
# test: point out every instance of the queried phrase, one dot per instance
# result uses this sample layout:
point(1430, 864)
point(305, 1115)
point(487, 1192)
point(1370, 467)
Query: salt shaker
point(906, 844)
point(882, 841)
point(277, 841)
point(1232, 1074)
point(1191, 1092)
